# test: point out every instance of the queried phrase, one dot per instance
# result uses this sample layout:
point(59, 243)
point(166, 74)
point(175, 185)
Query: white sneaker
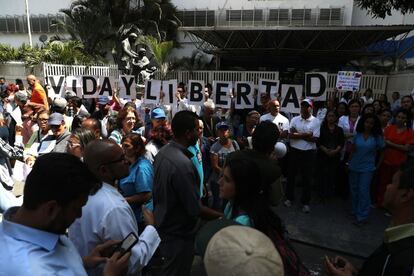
point(287, 203)
point(306, 209)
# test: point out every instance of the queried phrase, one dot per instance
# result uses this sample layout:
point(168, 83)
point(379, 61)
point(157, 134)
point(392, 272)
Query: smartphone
point(123, 247)
point(127, 244)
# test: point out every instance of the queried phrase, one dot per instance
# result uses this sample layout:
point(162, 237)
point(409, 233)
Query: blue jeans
point(360, 183)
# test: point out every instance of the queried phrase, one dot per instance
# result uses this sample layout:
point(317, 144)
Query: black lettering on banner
point(220, 93)
point(106, 86)
point(128, 83)
point(308, 88)
point(171, 93)
point(58, 86)
point(148, 91)
point(268, 85)
point(242, 91)
point(94, 85)
point(291, 97)
point(196, 92)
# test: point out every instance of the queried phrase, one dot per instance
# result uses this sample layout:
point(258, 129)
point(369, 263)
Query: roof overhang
point(308, 40)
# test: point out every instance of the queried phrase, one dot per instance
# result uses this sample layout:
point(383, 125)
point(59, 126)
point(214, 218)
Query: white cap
point(241, 250)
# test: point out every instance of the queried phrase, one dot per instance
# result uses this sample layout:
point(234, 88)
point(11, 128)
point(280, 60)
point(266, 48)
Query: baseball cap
point(158, 113)
point(55, 119)
point(307, 101)
point(59, 103)
point(69, 94)
point(222, 125)
point(242, 250)
point(103, 100)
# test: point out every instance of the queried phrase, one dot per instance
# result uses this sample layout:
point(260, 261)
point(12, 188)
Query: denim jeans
point(359, 183)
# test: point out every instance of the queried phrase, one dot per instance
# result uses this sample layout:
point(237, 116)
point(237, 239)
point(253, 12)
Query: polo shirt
point(30, 251)
point(198, 164)
point(309, 125)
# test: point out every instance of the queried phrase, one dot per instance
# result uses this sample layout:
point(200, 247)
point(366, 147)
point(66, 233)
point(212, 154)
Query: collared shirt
point(107, 216)
point(176, 203)
point(30, 251)
point(396, 233)
point(309, 125)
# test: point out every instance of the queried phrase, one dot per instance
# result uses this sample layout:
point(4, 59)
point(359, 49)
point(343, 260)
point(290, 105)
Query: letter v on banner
point(56, 86)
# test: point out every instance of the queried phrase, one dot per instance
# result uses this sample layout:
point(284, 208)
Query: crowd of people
point(103, 168)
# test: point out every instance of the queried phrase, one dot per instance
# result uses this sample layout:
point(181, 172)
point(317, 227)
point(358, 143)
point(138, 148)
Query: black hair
point(95, 123)
point(265, 137)
point(67, 179)
point(347, 95)
point(353, 101)
point(182, 122)
point(376, 130)
point(84, 136)
point(250, 197)
point(77, 122)
point(19, 82)
point(407, 115)
point(325, 120)
point(346, 107)
point(367, 106)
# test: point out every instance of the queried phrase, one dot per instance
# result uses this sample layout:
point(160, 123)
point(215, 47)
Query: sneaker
point(287, 203)
point(306, 209)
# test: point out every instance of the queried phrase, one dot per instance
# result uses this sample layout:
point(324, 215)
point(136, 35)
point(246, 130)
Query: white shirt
point(107, 216)
point(309, 125)
point(281, 121)
point(367, 101)
point(343, 122)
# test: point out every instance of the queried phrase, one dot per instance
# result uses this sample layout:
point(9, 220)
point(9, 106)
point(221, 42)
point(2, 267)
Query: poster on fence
point(348, 81)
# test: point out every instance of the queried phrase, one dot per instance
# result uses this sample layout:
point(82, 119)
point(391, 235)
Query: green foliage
point(160, 51)
point(383, 8)
point(70, 52)
point(8, 53)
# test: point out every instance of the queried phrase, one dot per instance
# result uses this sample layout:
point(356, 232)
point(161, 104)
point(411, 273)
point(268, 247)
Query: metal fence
point(262, 17)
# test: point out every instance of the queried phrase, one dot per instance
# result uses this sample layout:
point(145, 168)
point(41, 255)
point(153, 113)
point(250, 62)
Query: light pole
point(28, 23)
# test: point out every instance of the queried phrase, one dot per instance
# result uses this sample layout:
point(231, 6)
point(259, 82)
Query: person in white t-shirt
point(303, 133)
point(275, 117)
point(367, 98)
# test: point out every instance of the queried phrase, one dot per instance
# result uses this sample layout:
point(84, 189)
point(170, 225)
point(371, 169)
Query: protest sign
point(244, 95)
point(56, 86)
point(270, 87)
point(315, 86)
point(152, 91)
point(169, 89)
point(291, 95)
point(195, 92)
point(222, 93)
point(348, 81)
point(127, 87)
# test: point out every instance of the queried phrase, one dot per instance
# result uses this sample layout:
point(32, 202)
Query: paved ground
point(326, 230)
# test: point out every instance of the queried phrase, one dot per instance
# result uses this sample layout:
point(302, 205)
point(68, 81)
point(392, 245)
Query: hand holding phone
point(122, 247)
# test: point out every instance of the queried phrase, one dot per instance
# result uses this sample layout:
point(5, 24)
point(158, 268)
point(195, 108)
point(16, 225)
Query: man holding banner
point(303, 133)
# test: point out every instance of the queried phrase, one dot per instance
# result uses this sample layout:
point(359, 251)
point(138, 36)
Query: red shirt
point(393, 156)
point(38, 95)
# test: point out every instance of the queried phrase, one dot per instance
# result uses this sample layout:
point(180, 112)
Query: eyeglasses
point(120, 159)
point(43, 119)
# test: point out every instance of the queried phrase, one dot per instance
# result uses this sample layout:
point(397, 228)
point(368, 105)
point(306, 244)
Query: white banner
point(244, 97)
point(315, 86)
point(348, 81)
point(291, 96)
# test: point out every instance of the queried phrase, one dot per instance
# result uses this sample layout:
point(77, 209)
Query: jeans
point(359, 183)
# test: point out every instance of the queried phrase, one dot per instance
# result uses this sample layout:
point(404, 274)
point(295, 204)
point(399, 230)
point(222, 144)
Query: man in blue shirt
point(32, 236)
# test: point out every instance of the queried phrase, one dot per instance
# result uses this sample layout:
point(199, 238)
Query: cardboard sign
point(315, 86)
point(291, 96)
point(244, 95)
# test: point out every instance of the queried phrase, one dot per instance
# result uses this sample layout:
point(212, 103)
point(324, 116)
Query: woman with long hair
point(399, 140)
point(137, 186)
point(367, 144)
point(330, 144)
point(240, 184)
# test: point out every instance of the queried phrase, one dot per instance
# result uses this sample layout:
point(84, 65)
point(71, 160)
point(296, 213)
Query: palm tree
point(160, 51)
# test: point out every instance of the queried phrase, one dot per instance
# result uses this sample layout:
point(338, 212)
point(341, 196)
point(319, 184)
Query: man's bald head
point(93, 125)
point(31, 79)
point(99, 152)
point(274, 107)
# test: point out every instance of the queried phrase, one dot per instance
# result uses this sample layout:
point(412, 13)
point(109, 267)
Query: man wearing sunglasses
point(107, 215)
point(57, 141)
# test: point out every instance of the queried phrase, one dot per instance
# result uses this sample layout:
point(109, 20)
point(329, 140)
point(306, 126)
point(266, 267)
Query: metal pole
point(28, 23)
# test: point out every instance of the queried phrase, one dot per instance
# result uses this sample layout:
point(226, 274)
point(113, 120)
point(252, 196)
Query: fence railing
point(258, 17)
